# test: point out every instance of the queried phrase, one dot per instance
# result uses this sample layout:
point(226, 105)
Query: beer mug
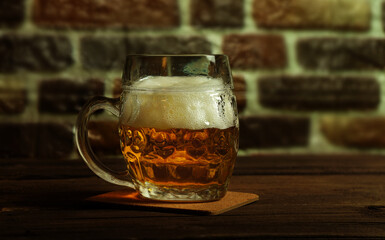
point(178, 127)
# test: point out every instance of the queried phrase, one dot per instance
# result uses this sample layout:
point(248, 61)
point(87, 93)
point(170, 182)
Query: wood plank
point(258, 164)
point(307, 164)
point(46, 169)
point(319, 206)
point(291, 189)
point(301, 196)
point(68, 224)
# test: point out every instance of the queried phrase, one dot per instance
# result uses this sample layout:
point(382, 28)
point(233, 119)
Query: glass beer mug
point(178, 127)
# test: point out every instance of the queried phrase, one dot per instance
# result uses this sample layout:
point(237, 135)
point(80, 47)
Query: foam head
point(179, 102)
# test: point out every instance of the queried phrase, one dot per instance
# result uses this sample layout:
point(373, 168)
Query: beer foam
point(179, 102)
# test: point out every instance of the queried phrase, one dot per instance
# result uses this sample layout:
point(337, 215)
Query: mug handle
point(83, 144)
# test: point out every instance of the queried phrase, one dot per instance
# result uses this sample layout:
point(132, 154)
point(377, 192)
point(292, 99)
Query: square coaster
point(231, 201)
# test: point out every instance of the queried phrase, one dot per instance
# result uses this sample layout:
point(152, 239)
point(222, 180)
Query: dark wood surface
point(301, 196)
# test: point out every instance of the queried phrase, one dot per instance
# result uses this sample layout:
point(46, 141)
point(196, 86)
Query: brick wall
point(309, 75)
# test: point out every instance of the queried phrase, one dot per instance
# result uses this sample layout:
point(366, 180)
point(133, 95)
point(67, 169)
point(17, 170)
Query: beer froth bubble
point(195, 102)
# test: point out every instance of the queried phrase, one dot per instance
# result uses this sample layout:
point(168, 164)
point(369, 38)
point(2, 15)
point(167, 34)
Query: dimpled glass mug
point(178, 127)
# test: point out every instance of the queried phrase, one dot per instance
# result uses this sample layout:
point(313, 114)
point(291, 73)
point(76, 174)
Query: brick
point(67, 96)
point(19, 140)
point(320, 14)
point(54, 140)
point(11, 13)
point(341, 53)
point(217, 13)
point(105, 13)
point(168, 45)
point(109, 53)
point(103, 53)
point(251, 51)
point(273, 131)
point(356, 132)
point(35, 53)
point(319, 93)
point(104, 137)
point(13, 98)
point(35, 140)
point(117, 88)
point(240, 92)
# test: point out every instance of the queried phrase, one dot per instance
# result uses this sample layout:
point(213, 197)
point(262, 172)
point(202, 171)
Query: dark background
point(308, 77)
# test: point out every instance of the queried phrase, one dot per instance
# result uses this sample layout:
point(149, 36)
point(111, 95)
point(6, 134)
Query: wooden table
point(300, 197)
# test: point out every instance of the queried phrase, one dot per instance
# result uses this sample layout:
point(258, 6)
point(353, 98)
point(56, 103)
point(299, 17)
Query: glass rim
point(218, 60)
point(176, 90)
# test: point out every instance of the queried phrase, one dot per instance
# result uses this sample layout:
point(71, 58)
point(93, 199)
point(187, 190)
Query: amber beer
point(180, 139)
point(179, 157)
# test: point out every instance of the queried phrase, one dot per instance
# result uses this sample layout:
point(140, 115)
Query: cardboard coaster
point(231, 201)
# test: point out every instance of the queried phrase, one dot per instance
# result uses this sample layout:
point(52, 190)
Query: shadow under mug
point(178, 127)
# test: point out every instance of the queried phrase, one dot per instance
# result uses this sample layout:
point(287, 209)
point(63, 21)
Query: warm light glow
point(164, 62)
